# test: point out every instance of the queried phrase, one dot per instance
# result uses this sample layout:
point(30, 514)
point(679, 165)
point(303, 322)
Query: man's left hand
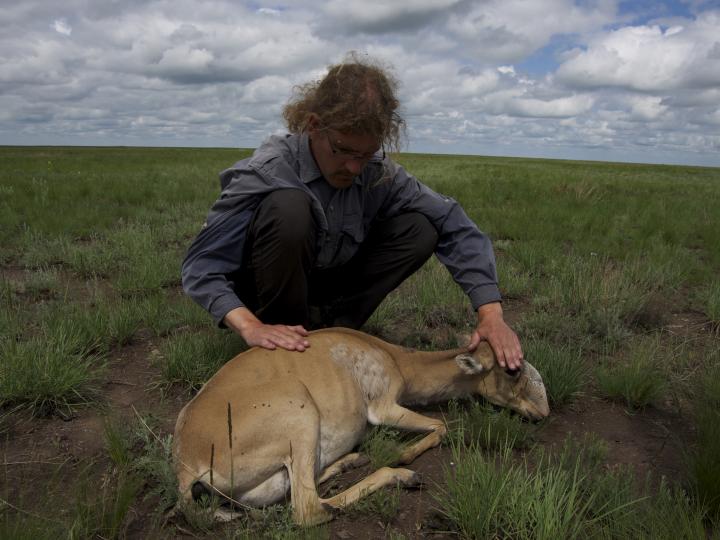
point(503, 341)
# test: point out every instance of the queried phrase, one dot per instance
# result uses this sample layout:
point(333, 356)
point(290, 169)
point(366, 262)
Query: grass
point(704, 458)
point(480, 424)
point(50, 373)
point(383, 446)
point(103, 511)
point(712, 303)
point(191, 359)
point(593, 258)
point(638, 381)
point(564, 495)
point(75, 505)
point(562, 369)
point(383, 504)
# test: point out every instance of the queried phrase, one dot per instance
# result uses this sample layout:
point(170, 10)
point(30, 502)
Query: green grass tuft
point(191, 359)
point(562, 495)
point(638, 381)
point(382, 445)
point(50, 373)
point(561, 367)
point(480, 424)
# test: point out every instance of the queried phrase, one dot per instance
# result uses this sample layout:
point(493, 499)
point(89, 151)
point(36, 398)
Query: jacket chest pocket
point(351, 235)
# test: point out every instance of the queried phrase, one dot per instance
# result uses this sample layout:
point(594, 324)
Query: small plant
point(672, 514)
point(155, 464)
point(382, 446)
point(50, 373)
point(639, 381)
point(99, 325)
point(118, 443)
point(191, 359)
point(39, 250)
point(90, 258)
point(103, 512)
point(163, 312)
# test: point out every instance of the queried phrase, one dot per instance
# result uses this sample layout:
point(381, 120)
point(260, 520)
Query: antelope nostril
point(512, 372)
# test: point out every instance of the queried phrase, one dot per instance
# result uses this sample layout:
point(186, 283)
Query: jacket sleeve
point(214, 255)
point(464, 250)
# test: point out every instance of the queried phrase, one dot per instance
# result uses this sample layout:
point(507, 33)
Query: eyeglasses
point(343, 153)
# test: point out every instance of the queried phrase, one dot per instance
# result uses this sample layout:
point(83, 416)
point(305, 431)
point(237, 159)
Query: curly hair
point(356, 96)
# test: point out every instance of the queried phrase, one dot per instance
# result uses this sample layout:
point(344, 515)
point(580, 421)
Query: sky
point(609, 80)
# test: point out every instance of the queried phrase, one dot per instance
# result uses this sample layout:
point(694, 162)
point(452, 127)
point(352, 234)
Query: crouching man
point(319, 225)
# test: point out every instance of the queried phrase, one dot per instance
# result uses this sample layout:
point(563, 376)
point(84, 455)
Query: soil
point(50, 453)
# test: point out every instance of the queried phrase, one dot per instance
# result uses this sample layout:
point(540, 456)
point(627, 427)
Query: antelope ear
point(468, 364)
point(484, 355)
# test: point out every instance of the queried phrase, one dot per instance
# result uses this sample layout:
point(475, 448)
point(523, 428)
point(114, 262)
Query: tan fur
point(296, 416)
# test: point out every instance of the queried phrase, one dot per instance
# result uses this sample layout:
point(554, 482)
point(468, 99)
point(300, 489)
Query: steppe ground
point(609, 275)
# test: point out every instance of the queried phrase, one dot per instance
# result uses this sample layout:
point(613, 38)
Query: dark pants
point(281, 286)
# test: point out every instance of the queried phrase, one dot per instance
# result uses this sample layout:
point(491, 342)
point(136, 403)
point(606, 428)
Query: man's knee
point(414, 232)
point(286, 217)
point(423, 232)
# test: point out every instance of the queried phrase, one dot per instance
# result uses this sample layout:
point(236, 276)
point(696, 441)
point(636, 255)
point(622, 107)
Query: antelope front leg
point(350, 461)
point(400, 417)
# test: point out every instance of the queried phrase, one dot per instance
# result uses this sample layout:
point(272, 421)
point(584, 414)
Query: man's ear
point(468, 364)
point(313, 123)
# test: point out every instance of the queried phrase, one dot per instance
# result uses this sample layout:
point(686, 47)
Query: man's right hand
point(269, 336)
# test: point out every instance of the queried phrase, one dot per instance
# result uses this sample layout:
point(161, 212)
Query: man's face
point(341, 156)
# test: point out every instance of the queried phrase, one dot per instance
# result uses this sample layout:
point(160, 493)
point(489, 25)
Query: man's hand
point(503, 341)
point(269, 336)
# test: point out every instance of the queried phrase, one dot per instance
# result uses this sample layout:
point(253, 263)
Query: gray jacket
point(383, 189)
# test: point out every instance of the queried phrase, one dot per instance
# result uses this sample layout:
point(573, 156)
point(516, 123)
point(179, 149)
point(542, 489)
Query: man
point(318, 226)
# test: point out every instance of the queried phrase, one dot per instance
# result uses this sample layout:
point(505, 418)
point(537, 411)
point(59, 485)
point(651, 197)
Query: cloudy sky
point(580, 79)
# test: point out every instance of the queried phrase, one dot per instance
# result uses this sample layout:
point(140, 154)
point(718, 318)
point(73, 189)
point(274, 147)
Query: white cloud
point(648, 58)
point(564, 107)
point(62, 27)
point(647, 108)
